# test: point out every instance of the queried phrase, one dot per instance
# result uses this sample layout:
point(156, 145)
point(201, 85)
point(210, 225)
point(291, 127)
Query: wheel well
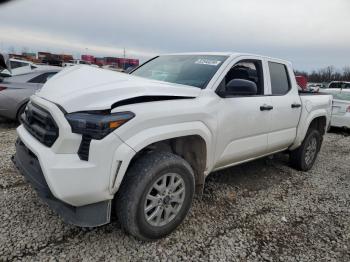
point(191, 148)
point(319, 123)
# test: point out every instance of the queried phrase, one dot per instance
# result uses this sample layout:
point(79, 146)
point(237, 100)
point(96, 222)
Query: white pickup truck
point(94, 141)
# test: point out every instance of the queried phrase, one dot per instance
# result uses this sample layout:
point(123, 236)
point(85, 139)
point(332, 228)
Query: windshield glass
point(192, 70)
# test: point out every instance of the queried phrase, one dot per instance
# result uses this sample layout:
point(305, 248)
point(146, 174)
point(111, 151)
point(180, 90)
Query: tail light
point(348, 109)
point(2, 88)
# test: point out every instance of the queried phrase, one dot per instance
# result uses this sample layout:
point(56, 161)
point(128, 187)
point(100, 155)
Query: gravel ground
point(260, 211)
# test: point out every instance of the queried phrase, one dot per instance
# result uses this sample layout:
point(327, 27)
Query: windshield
point(192, 70)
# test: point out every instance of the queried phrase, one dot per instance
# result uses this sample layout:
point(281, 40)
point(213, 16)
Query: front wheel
point(155, 196)
point(303, 158)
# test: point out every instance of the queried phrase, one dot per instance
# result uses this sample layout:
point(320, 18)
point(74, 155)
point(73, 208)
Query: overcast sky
point(310, 33)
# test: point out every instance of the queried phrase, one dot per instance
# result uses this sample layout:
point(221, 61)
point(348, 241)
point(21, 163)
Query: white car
point(77, 62)
point(142, 144)
point(341, 107)
point(19, 67)
point(339, 85)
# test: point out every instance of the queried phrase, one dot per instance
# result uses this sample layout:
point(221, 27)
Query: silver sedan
point(15, 91)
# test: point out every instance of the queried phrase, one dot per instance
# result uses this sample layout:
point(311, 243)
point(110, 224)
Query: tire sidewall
point(153, 232)
point(311, 134)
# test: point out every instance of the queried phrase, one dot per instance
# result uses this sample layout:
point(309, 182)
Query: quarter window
point(280, 83)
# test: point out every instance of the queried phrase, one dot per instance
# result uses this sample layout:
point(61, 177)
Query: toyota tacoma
point(94, 142)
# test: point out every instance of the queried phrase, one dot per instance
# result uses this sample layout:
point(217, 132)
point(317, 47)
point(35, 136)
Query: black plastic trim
point(91, 215)
point(84, 148)
point(40, 124)
point(146, 99)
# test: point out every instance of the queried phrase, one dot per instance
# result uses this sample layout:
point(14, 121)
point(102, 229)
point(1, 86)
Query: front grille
point(40, 124)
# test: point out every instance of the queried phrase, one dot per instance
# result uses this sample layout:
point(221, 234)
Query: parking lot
point(258, 211)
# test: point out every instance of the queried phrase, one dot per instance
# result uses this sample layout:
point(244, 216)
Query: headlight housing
point(97, 125)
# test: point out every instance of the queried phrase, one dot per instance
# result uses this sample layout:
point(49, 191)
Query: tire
point(20, 112)
point(139, 186)
point(303, 158)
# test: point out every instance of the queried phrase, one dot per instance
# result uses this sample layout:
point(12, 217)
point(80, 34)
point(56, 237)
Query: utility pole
point(124, 58)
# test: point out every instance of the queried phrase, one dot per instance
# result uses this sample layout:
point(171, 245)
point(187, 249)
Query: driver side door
point(244, 120)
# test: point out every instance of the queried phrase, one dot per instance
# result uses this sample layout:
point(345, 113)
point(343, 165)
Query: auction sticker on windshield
point(202, 61)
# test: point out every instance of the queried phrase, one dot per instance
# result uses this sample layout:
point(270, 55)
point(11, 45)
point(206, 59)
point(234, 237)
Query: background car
point(339, 84)
point(78, 62)
point(20, 67)
point(341, 107)
point(15, 91)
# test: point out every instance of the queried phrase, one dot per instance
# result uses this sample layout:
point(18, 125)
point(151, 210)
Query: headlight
point(97, 125)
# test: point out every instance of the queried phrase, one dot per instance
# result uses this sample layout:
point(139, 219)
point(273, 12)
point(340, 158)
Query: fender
point(157, 134)
point(305, 123)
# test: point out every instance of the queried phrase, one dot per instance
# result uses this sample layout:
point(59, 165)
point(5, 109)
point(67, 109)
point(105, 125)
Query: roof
point(231, 54)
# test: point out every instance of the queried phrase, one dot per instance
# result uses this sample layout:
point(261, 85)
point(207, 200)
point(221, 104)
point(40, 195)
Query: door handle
point(266, 107)
point(295, 105)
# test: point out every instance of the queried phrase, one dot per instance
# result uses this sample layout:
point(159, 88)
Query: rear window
point(41, 79)
point(16, 64)
point(345, 85)
point(280, 83)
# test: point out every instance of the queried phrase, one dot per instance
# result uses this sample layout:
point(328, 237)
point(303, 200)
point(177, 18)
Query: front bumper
point(70, 179)
point(85, 216)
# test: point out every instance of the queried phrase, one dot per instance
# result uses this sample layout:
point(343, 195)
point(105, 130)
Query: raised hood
point(84, 88)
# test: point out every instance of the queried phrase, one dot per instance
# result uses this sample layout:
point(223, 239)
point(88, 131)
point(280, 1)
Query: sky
point(310, 33)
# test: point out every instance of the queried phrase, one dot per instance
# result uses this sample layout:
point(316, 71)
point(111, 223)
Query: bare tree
point(327, 74)
point(346, 73)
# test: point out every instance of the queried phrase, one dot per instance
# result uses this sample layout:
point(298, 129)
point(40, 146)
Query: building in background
point(100, 61)
point(88, 58)
point(59, 59)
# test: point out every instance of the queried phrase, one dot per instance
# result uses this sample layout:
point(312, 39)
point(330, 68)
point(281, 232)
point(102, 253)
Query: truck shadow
point(256, 175)
point(6, 123)
point(339, 131)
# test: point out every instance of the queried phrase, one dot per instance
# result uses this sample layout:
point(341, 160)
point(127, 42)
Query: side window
point(280, 83)
point(250, 70)
point(16, 64)
point(334, 85)
point(41, 79)
point(344, 85)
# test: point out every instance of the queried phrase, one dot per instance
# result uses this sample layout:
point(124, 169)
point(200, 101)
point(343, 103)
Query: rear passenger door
point(286, 106)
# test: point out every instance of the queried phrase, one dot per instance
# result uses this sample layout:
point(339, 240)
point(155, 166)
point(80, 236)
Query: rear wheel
point(155, 196)
point(303, 158)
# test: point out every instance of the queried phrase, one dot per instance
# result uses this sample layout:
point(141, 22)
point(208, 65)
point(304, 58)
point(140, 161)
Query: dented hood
point(84, 88)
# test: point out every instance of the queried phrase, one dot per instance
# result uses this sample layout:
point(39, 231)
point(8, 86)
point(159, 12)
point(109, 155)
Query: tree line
point(327, 74)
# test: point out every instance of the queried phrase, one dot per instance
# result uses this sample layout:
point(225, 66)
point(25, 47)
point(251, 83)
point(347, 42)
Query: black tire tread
point(296, 155)
point(133, 178)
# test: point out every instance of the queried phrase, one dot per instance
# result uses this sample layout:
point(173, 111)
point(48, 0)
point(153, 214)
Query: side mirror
point(240, 87)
